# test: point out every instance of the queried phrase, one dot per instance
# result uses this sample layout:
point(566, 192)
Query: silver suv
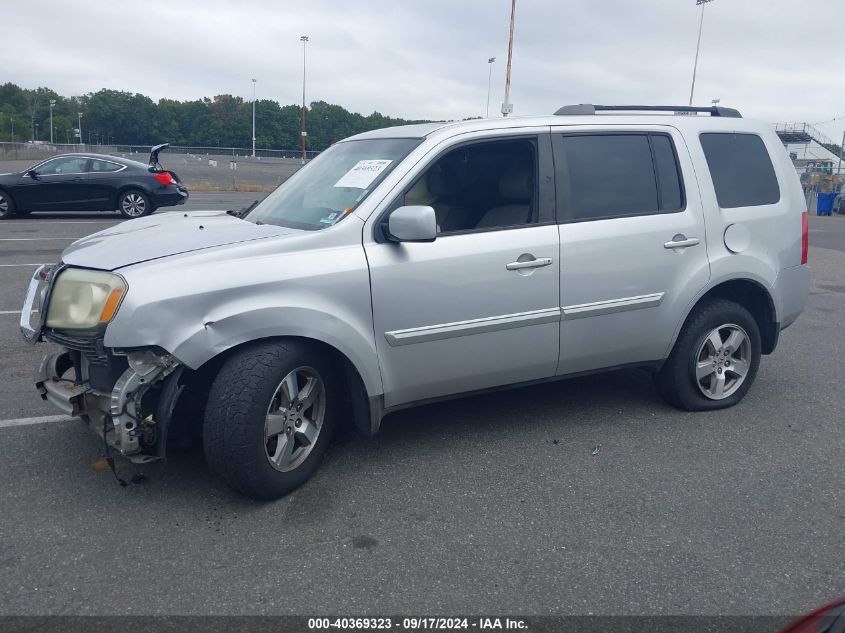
point(416, 263)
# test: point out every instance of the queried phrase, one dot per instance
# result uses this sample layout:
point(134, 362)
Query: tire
point(7, 206)
point(236, 425)
point(134, 203)
point(695, 355)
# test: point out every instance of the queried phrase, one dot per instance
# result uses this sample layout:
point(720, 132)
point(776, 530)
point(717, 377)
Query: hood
point(161, 235)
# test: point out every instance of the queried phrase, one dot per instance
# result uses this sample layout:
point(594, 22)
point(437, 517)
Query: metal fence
point(37, 151)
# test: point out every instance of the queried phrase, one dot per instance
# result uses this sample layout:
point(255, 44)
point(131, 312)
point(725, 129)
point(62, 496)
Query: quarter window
point(742, 171)
point(103, 165)
point(616, 175)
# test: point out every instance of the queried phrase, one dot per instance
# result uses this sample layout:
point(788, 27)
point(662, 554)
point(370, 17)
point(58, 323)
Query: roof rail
point(590, 109)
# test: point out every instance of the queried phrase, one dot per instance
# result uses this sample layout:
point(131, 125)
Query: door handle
point(681, 241)
point(531, 263)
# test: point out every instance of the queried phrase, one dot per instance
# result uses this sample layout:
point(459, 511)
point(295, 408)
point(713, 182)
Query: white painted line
point(35, 239)
point(47, 419)
point(43, 222)
point(13, 311)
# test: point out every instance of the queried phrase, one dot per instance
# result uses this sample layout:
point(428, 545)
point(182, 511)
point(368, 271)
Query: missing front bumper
point(118, 416)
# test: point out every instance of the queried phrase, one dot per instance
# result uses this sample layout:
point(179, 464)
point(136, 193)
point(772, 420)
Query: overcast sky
point(428, 59)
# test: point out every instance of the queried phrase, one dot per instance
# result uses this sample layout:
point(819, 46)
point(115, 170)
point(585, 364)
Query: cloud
point(772, 59)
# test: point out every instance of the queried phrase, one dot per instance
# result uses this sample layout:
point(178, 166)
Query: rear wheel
point(270, 416)
point(7, 206)
point(134, 204)
point(715, 359)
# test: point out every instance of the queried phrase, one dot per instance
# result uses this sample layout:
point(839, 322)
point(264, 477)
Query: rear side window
point(741, 168)
point(616, 175)
point(103, 165)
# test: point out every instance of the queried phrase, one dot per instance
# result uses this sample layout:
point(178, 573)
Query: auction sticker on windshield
point(363, 174)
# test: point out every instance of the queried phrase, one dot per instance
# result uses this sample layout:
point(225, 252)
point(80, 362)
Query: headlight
point(84, 299)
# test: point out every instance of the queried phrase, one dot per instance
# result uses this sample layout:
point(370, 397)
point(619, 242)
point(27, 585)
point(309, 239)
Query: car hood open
point(162, 235)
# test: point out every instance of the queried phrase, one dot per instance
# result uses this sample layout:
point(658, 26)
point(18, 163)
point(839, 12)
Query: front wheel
point(269, 418)
point(715, 359)
point(134, 204)
point(7, 206)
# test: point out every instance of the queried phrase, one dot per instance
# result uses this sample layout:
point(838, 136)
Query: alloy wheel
point(4, 205)
point(723, 361)
point(294, 418)
point(133, 204)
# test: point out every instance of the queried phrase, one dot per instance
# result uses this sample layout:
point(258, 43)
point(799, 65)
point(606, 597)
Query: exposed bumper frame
point(116, 415)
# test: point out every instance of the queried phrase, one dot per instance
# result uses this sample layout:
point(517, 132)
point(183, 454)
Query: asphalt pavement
point(583, 496)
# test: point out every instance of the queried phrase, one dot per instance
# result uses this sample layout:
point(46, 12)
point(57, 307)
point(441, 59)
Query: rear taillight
point(805, 238)
point(165, 178)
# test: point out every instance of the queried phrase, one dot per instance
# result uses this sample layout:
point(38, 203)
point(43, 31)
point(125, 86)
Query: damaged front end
point(126, 396)
point(130, 409)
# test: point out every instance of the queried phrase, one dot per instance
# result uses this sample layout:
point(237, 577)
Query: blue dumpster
point(824, 203)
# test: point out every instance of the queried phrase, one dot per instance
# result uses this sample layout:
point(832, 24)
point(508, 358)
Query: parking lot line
point(43, 222)
point(29, 421)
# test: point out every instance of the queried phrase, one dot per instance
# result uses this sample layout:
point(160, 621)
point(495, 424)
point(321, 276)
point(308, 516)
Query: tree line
point(123, 118)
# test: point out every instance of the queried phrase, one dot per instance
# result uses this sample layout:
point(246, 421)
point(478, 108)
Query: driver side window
point(481, 186)
point(69, 165)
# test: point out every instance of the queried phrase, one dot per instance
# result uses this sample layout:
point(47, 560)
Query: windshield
point(329, 187)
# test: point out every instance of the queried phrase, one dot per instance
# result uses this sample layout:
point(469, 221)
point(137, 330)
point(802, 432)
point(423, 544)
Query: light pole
point(507, 106)
point(253, 118)
point(489, 79)
point(303, 134)
point(697, 47)
point(52, 105)
point(12, 121)
point(81, 142)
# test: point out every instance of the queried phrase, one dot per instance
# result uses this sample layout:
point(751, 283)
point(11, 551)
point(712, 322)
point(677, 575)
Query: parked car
point(417, 263)
point(91, 182)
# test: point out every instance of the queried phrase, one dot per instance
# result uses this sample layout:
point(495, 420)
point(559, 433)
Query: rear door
point(633, 252)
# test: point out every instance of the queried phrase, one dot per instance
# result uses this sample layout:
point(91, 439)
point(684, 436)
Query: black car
point(91, 182)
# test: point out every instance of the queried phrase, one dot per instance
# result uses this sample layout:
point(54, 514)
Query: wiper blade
point(239, 213)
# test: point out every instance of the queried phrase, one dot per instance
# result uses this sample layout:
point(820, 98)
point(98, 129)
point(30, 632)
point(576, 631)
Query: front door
point(60, 183)
point(633, 252)
point(479, 306)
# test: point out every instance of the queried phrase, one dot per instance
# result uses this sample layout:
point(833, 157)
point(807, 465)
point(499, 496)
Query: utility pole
point(841, 150)
point(81, 142)
point(253, 118)
point(303, 134)
point(507, 106)
point(12, 121)
point(52, 105)
point(698, 47)
point(489, 79)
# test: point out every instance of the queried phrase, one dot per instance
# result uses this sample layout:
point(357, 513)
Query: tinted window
point(611, 175)
point(742, 171)
point(668, 178)
point(70, 165)
point(103, 165)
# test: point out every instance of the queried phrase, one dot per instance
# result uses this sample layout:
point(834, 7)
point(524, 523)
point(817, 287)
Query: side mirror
point(32, 174)
point(412, 224)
